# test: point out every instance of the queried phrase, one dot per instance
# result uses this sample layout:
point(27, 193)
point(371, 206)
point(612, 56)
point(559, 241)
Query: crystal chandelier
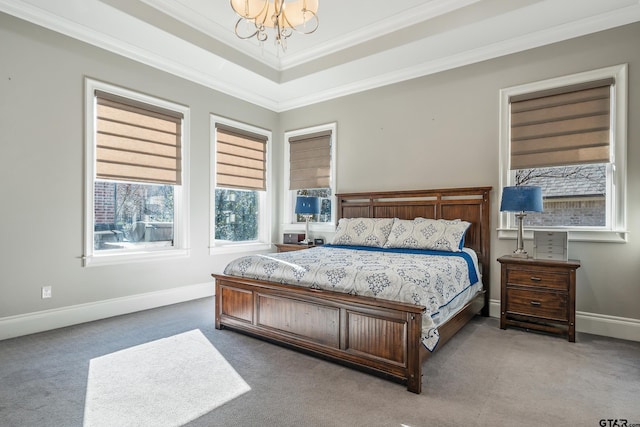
point(284, 17)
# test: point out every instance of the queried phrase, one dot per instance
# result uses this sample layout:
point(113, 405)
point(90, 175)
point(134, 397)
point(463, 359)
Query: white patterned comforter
point(440, 283)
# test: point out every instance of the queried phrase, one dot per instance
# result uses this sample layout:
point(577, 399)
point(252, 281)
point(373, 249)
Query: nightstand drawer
point(548, 305)
point(538, 278)
point(538, 294)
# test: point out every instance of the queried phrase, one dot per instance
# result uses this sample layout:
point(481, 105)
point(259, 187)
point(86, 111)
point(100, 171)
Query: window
point(239, 203)
point(136, 191)
point(310, 171)
point(568, 136)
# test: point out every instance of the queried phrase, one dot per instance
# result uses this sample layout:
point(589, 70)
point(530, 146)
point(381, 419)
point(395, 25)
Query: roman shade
point(563, 126)
point(240, 159)
point(310, 161)
point(137, 141)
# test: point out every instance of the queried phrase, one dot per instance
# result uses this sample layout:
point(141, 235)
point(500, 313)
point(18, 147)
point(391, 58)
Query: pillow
point(422, 233)
point(363, 231)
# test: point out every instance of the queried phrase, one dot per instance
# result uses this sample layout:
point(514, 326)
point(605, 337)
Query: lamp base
point(518, 254)
point(306, 240)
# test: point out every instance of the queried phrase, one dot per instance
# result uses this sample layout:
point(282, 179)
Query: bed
point(377, 335)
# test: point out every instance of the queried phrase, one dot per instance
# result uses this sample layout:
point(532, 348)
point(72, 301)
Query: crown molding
point(222, 81)
point(214, 30)
point(410, 17)
point(533, 40)
point(428, 10)
point(202, 67)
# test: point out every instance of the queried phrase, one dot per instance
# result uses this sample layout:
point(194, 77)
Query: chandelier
point(284, 17)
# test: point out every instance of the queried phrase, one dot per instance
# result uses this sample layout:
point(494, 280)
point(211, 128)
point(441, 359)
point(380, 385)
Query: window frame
point(616, 229)
point(265, 197)
point(289, 224)
point(181, 215)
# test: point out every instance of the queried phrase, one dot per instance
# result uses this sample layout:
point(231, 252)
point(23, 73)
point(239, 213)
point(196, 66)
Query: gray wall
point(446, 124)
point(442, 131)
point(41, 165)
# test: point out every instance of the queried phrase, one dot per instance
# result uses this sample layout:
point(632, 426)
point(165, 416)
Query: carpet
point(167, 382)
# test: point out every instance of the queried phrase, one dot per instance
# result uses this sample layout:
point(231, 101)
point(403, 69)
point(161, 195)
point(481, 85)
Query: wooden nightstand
point(539, 294)
point(287, 247)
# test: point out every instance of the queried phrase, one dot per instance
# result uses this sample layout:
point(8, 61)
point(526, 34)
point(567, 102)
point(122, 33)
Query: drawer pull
point(536, 303)
point(536, 279)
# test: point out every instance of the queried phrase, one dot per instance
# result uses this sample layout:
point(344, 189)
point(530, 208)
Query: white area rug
point(168, 382)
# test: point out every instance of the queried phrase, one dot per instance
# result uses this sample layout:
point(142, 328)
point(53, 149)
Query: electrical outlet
point(46, 292)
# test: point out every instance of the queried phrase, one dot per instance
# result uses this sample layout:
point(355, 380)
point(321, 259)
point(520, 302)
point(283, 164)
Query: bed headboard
point(468, 204)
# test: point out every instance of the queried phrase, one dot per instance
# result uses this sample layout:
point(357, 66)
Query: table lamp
point(521, 199)
point(307, 206)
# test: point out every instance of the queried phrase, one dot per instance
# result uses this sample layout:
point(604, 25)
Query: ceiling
point(359, 45)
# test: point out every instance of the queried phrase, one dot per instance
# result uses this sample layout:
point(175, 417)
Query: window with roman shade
point(240, 159)
point(568, 135)
point(136, 141)
point(136, 176)
point(240, 201)
point(310, 170)
point(564, 126)
point(310, 161)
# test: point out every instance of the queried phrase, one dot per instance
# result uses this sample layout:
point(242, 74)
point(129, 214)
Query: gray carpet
point(483, 377)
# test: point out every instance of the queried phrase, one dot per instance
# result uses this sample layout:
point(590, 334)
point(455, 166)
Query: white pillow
point(363, 231)
point(432, 234)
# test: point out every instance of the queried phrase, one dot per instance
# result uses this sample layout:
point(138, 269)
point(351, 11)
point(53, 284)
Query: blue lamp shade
point(307, 205)
point(521, 198)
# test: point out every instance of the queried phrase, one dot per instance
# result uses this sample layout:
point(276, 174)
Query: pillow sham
point(363, 231)
point(423, 233)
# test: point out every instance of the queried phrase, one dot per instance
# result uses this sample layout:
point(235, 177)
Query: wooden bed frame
point(378, 336)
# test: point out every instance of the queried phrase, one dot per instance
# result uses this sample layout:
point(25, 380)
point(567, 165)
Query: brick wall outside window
point(105, 209)
point(587, 212)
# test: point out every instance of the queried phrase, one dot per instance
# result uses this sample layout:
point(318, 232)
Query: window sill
point(129, 257)
point(314, 227)
point(598, 236)
point(231, 248)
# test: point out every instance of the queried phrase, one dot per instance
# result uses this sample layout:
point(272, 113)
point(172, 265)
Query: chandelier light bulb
point(284, 17)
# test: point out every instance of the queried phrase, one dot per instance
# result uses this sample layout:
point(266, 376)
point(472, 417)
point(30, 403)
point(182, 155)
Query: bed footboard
point(382, 337)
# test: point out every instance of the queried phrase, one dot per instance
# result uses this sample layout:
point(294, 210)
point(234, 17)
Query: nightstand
point(539, 294)
point(288, 247)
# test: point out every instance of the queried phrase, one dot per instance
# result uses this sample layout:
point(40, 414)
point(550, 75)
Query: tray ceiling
point(359, 45)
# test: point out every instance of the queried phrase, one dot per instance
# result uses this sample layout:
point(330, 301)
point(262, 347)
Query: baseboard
point(494, 308)
point(25, 324)
point(593, 323)
point(609, 326)
point(41, 321)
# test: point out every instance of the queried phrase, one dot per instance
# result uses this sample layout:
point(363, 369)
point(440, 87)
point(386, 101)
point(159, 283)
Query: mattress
point(442, 282)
